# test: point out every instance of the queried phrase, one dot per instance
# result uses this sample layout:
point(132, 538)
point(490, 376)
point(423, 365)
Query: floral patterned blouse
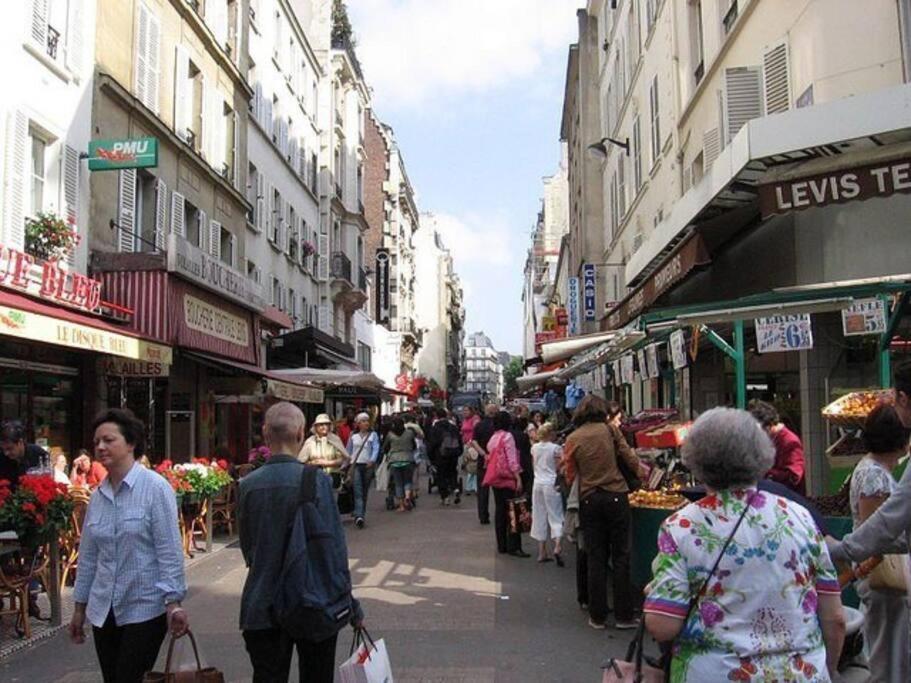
point(757, 620)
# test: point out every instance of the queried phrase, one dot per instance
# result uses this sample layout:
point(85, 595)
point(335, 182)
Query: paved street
point(431, 584)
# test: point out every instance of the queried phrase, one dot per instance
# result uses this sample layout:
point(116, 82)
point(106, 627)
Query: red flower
point(685, 523)
point(223, 464)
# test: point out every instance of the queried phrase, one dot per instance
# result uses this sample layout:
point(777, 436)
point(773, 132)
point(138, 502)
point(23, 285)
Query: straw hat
point(322, 419)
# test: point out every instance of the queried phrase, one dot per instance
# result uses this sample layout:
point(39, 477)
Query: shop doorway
point(180, 435)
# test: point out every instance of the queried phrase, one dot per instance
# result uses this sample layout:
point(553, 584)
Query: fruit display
point(648, 419)
point(852, 409)
point(661, 500)
point(668, 435)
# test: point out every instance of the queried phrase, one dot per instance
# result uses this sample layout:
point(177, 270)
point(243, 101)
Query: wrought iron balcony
point(340, 266)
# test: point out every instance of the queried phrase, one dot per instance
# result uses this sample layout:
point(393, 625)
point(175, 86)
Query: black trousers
point(606, 524)
point(447, 476)
point(507, 542)
point(581, 576)
point(126, 652)
point(483, 496)
point(270, 654)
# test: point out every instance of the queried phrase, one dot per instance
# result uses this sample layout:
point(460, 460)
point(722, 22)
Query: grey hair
point(726, 448)
point(283, 423)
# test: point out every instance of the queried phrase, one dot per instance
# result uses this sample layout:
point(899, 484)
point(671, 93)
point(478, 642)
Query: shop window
point(38, 171)
point(146, 196)
point(363, 356)
point(227, 247)
point(192, 223)
point(194, 129)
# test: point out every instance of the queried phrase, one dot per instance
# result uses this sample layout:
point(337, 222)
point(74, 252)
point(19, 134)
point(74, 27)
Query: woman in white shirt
point(546, 502)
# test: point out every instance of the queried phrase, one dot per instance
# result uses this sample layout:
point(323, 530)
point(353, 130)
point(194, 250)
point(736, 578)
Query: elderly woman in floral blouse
point(772, 608)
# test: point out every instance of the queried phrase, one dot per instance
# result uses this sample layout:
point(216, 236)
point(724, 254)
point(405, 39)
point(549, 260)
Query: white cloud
point(475, 241)
point(415, 50)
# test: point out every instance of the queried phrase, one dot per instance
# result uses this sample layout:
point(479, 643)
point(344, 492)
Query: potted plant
point(49, 237)
point(258, 456)
point(307, 248)
point(38, 510)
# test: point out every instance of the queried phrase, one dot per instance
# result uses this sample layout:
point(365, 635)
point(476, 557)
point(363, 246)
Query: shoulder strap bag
point(636, 667)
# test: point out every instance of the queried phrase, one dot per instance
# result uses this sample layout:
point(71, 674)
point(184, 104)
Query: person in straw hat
point(325, 449)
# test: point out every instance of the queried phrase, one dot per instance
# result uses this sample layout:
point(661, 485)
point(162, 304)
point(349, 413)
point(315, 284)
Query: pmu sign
point(110, 155)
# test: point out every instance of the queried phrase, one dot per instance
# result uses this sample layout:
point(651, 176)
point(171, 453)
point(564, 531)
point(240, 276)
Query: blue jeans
point(401, 475)
point(363, 475)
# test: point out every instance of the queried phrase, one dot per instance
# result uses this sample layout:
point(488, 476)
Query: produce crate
point(852, 409)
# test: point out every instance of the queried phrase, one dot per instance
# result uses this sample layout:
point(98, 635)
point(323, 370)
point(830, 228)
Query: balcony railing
point(53, 40)
point(340, 266)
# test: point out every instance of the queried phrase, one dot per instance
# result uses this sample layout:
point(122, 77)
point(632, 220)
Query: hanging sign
point(643, 366)
point(615, 366)
point(382, 286)
point(784, 333)
point(573, 305)
point(588, 291)
point(110, 155)
point(651, 359)
point(626, 369)
point(864, 316)
point(677, 345)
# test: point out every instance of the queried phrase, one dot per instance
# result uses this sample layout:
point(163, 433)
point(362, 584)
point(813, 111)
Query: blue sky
point(474, 91)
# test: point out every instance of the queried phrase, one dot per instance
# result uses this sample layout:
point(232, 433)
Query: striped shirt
point(131, 554)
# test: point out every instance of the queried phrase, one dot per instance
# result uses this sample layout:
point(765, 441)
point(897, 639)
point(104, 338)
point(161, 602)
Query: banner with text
point(784, 333)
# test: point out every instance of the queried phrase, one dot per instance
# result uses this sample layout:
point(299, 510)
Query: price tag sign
point(864, 316)
point(651, 359)
point(678, 349)
point(643, 367)
point(626, 369)
point(784, 333)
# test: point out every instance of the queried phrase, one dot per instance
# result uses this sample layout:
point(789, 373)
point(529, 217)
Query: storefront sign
point(784, 333)
point(572, 300)
point(677, 345)
point(691, 254)
point(46, 280)
point(194, 264)
point(864, 316)
point(627, 372)
point(215, 322)
point(588, 291)
point(864, 182)
point(294, 392)
point(651, 359)
point(121, 367)
point(382, 286)
point(110, 155)
point(33, 326)
point(543, 338)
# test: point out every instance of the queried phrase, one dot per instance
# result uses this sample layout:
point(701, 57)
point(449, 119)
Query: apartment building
point(483, 369)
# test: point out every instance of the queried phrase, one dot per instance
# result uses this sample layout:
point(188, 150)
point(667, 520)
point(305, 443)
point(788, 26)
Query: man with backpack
point(445, 446)
point(298, 588)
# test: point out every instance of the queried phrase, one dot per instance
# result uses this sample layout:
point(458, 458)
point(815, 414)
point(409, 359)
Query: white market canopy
point(356, 378)
point(529, 381)
point(561, 349)
point(586, 362)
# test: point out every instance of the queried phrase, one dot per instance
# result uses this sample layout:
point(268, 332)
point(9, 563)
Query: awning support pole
point(885, 341)
point(736, 354)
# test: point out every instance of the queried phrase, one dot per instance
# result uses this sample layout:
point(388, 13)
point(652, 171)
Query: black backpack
point(313, 597)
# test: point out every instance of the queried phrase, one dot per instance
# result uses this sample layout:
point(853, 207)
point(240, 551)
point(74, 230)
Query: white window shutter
point(268, 123)
point(202, 229)
point(38, 23)
point(126, 210)
point(153, 64)
point(141, 56)
point(711, 147)
point(258, 103)
point(743, 97)
point(177, 215)
point(71, 194)
point(219, 132)
point(74, 38)
point(260, 200)
point(215, 239)
point(776, 79)
point(161, 208)
point(323, 263)
point(687, 178)
point(183, 99)
point(323, 318)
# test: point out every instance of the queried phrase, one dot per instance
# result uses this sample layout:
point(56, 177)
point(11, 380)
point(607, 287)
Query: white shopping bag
point(368, 664)
point(382, 476)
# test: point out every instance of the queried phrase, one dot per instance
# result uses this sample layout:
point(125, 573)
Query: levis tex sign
point(46, 280)
point(873, 180)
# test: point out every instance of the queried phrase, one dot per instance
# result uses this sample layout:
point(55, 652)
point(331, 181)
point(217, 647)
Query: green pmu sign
point(110, 155)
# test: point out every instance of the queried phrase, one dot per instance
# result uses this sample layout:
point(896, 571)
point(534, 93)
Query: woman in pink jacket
point(503, 476)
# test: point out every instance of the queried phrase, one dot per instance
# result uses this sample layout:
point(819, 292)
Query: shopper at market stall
point(324, 449)
point(130, 582)
point(743, 584)
point(886, 625)
point(16, 456)
point(470, 419)
point(364, 451)
point(483, 431)
point(503, 476)
point(399, 446)
point(346, 426)
point(592, 452)
point(444, 447)
point(547, 503)
point(87, 472)
point(789, 467)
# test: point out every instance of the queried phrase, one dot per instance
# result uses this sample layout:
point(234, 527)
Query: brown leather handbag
point(201, 675)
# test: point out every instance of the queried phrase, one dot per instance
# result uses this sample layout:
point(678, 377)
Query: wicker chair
point(69, 541)
point(224, 507)
point(17, 571)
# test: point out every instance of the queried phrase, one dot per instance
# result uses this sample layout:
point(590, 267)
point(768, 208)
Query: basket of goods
point(852, 409)
point(661, 500)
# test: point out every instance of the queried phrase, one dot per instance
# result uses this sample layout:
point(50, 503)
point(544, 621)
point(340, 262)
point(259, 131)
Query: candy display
point(663, 499)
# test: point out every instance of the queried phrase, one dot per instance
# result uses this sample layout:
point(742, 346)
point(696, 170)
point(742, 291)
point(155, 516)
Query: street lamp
point(599, 149)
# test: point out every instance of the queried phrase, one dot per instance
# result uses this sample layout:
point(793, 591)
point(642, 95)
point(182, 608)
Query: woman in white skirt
point(546, 501)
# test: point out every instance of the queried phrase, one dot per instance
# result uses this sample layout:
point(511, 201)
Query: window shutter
point(183, 99)
point(71, 194)
point(236, 150)
point(215, 239)
point(126, 210)
point(268, 217)
point(38, 23)
point(141, 53)
point(323, 264)
point(74, 38)
point(323, 316)
point(161, 208)
point(177, 215)
point(711, 147)
point(233, 250)
point(743, 97)
point(153, 63)
point(267, 117)
point(219, 132)
point(687, 179)
point(202, 229)
point(260, 200)
point(776, 79)
point(205, 143)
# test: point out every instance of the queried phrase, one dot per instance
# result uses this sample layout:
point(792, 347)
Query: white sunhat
point(362, 417)
point(322, 419)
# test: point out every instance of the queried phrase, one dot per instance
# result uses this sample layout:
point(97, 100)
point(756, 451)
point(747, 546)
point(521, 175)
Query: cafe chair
point(69, 541)
point(224, 508)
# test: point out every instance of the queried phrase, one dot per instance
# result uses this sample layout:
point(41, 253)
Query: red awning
point(276, 318)
point(27, 303)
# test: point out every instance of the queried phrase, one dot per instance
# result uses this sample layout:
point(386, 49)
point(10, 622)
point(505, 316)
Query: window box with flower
point(49, 237)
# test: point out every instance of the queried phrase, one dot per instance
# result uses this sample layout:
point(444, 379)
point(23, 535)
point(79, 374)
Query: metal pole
point(740, 370)
point(885, 360)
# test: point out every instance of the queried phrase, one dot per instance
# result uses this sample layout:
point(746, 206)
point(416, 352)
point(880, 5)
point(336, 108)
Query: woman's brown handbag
point(519, 514)
point(889, 575)
point(202, 675)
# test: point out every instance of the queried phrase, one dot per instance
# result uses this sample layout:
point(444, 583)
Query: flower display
point(307, 248)
point(36, 510)
point(49, 237)
point(258, 456)
point(200, 477)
